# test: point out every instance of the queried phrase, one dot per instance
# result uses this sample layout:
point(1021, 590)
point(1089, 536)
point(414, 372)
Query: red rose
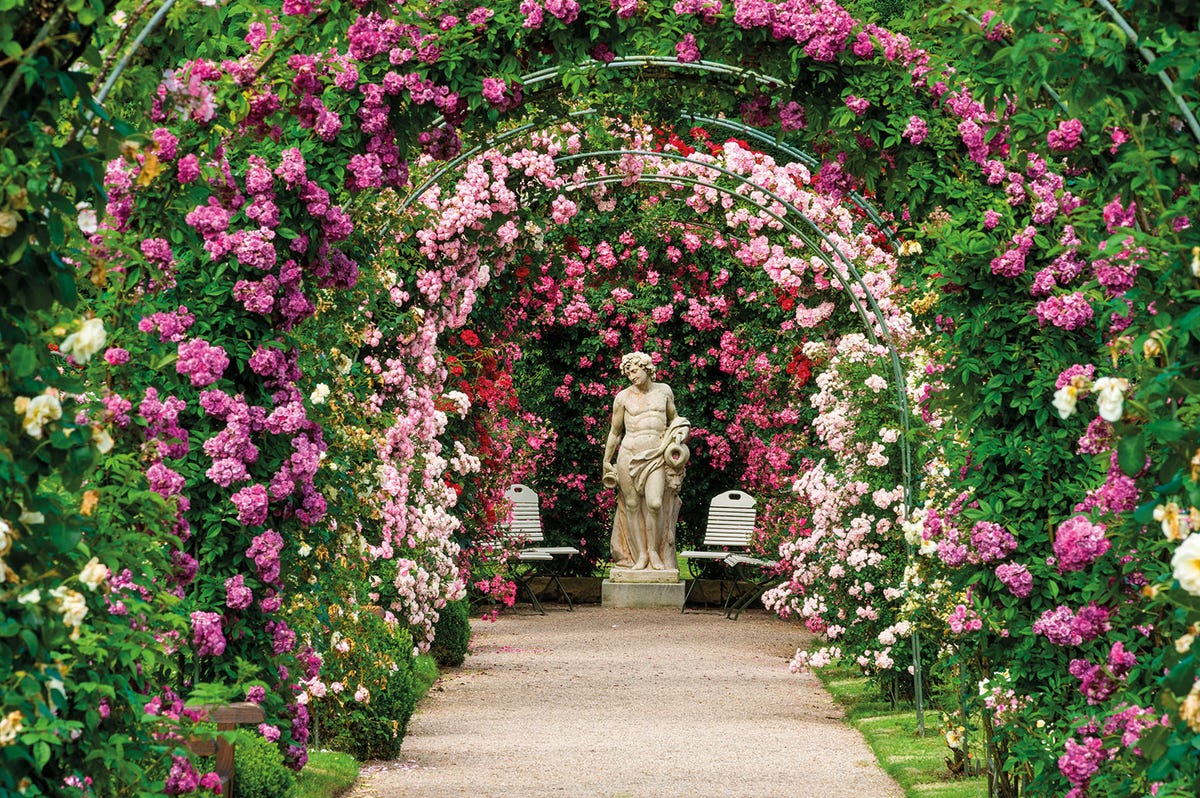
point(469, 338)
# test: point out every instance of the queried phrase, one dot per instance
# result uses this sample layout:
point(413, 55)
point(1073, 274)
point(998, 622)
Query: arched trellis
point(541, 81)
point(813, 237)
point(806, 235)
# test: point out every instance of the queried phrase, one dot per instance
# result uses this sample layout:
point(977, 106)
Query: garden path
point(626, 702)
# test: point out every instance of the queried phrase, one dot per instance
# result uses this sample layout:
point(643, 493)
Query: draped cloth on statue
point(671, 455)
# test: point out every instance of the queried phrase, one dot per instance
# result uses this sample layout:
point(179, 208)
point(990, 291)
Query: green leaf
point(23, 360)
point(1144, 514)
point(1165, 429)
point(1131, 454)
point(41, 754)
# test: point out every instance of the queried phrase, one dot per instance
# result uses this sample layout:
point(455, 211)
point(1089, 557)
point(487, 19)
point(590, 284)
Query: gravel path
point(629, 702)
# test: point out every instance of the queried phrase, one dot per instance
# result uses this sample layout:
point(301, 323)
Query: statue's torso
point(645, 416)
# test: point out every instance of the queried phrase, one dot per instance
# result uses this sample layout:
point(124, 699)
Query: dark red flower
point(469, 338)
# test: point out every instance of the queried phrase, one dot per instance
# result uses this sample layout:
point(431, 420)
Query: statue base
point(626, 587)
point(641, 594)
point(643, 576)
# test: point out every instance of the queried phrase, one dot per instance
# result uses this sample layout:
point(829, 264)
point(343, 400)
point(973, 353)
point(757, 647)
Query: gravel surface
point(644, 703)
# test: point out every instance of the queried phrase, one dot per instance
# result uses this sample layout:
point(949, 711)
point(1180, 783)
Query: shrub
point(259, 771)
point(452, 634)
point(372, 692)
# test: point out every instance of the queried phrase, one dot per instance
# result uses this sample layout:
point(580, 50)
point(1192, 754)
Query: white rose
point(84, 342)
point(87, 219)
point(1186, 562)
point(32, 597)
point(71, 604)
point(39, 412)
point(1110, 397)
point(319, 394)
point(102, 439)
point(94, 573)
point(1169, 516)
point(10, 726)
point(1065, 401)
point(6, 537)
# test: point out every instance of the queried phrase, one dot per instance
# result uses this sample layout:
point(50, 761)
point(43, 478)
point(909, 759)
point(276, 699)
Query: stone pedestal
point(645, 575)
point(626, 587)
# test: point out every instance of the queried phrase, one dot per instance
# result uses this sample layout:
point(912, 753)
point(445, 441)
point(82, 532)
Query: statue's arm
point(670, 403)
point(615, 431)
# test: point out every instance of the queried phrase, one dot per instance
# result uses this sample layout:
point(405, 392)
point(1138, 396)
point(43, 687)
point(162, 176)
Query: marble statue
point(648, 439)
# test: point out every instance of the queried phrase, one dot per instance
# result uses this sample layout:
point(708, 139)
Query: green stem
point(15, 77)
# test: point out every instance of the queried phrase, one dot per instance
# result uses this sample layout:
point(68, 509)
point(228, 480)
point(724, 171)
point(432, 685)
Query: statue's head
point(637, 360)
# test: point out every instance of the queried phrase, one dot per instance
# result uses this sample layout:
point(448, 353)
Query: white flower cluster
point(10, 726)
point(1186, 564)
point(6, 540)
point(462, 402)
point(85, 342)
point(463, 461)
point(319, 394)
point(1109, 391)
point(38, 412)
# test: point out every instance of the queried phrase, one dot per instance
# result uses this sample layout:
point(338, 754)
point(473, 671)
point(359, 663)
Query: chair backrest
point(731, 518)
point(526, 524)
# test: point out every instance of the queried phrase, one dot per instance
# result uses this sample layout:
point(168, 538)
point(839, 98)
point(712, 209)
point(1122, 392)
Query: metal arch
point(535, 79)
point(800, 155)
point(791, 228)
point(732, 125)
point(1149, 57)
point(489, 144)
point(621, 62)
point(897, 367)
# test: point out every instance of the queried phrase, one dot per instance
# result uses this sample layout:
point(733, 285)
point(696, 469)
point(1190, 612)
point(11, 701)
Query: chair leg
point(566, 596)
point(523, 581)
point(730, 600)
point(537, 605)
point(688, 594)
point(755, 592)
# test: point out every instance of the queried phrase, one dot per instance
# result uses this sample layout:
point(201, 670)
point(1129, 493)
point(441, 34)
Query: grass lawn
point(328, 774)
point(917, 763)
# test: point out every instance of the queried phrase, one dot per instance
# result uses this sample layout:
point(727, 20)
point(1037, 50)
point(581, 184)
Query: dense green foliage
point(259, 771)
point(372, 692)
point(452, 634)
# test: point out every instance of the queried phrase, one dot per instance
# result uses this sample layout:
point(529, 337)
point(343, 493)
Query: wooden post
point(228, 718)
